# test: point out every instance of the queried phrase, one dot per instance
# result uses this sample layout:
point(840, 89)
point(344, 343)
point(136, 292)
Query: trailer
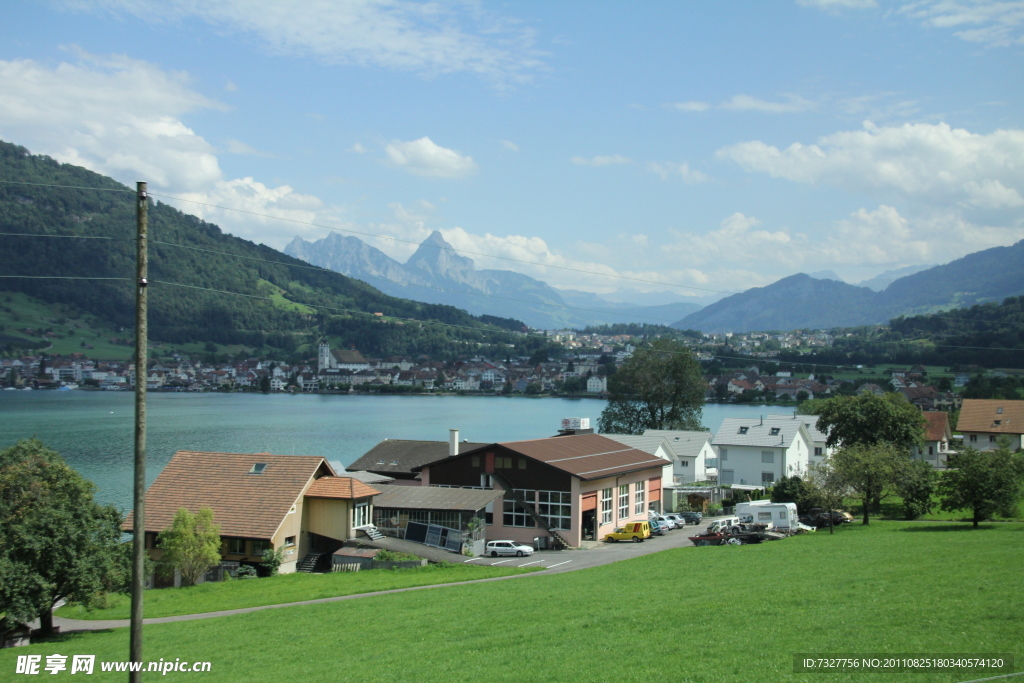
point(778, 515)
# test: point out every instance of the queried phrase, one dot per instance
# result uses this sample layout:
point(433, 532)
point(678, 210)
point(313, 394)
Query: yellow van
point(633, 531)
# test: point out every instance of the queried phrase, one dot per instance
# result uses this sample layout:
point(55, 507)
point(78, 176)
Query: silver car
point(495, 548)
point(677, 520)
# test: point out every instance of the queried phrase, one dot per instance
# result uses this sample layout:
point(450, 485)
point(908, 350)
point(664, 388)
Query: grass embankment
point(892, 508)
point(214, 597)
point(691, 614)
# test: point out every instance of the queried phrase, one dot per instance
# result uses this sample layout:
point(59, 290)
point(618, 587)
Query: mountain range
point(801, 301)
point(437, 273)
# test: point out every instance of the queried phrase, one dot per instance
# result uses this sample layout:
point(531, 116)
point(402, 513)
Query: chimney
point(453, 442)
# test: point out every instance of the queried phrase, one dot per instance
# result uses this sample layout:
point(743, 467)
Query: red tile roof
point(994, 416)
point(586, 456)
point(340, 487)
point(937, 428)
point(245, 505)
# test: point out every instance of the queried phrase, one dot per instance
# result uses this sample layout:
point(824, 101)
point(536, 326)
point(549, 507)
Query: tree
point(984, 483)
point(661, 386)
point(265, 384)
point(868, 419)
point(272, 560)
point(796, 490)
point(191, 544)
point(56, 542)
point(573, 385)
point(830, 486)
point(870, 471)
point(916, 486)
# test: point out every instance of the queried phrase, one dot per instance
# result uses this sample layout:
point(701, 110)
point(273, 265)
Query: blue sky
point(699, 145)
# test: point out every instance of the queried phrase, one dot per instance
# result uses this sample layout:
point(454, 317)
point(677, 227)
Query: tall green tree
point(868, 419)
point(983, 483)
point(870, 471)
point(661, 386)
point(191, 544)
point(916, 486)
point(56, 542)
point(797, 490)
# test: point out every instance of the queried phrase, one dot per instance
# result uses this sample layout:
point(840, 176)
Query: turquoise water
point(94, 430)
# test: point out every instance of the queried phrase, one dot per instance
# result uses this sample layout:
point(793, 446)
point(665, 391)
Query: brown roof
point(586, 456)
point(339, 487)
point(937, 428)
point(245, 505)
point(434, 498)
point(995, 416)
point(401, 456)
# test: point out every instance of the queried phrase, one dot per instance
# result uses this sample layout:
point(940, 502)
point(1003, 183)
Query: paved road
point(554, 561)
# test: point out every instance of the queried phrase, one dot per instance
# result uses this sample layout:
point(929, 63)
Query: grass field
point(691, 614)
point(213, 597)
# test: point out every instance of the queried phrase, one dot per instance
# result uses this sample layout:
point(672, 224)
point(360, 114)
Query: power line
point(67, 187)
point(60, 277)
point(80, 237)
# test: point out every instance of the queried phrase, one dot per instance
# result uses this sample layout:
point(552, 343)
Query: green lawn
point(691, 614)
point(213, 597)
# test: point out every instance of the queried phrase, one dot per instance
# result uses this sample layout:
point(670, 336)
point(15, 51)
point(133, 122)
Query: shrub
point(246, 571)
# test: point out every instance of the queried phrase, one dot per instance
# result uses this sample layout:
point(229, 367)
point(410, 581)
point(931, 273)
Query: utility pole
point(141, 375)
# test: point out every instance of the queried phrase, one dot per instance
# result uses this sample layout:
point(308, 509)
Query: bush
point(246, 571)
point(272, 560)
point(395, 556)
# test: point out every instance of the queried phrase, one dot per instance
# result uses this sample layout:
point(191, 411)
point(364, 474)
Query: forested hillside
point(289, 304)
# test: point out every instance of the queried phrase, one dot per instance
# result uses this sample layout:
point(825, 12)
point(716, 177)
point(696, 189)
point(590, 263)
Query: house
point(399, 458)
point(871, 389)
point(937, 437)
point(983, 421)
point(261, 501)
point(597, 385)
point(694, 452)
point(561, 489)
point(818, 437)
point(340, 360)
point(656, 446)
point(759, 452)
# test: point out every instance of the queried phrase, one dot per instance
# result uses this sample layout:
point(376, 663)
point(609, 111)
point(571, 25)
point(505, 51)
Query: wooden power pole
point(141, 375)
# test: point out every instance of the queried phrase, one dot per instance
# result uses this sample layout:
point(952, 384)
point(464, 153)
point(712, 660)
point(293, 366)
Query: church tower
point(324, 360)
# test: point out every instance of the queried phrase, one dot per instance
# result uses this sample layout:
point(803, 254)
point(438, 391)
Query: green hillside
point(295, 304)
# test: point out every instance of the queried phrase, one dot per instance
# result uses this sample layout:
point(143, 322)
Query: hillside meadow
point(689, 614)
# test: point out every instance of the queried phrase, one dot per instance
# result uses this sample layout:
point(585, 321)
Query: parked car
point(662, 520)
point(634, 531)
point(719, 524)
point(691, 517)
point(656, 529)
point(495, 548)
point(676, 519)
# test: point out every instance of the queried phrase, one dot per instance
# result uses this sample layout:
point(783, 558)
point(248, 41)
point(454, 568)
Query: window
point(258, 468)
point(503, 461)
point(236, 546)
point(360, 515)
point(474, 461)
point(974, 437)
point(991, 438)
point(726, 478)
point(817, 450)
point(606, 506)
point(289, 541)
point(515, 514)
point(774, 431)
point(767, 456)
point(624, 501)
point(782, 514)
point(684, 463)
point(766, 516)
point(639, 502)
point(555, 508)
point(743, 430)
point(931, 450)
point(999, 411)
point(522, 463)
point(767, 477)
point(996, 423)
point(259, 546)
point(724, 452)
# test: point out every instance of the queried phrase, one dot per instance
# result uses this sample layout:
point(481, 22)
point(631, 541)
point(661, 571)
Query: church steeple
point(324, 359)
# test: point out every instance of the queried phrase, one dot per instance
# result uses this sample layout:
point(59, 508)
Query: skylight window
point(997, 423)
point(999, 411)
point(774, 431)
point(258, 468)
point(743, 430)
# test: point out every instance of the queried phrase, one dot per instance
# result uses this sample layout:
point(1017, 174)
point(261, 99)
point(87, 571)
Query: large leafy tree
point(191, 544)
point(868, 419)
point(56, 542)
point(869, 471)
point(916, 485)
point(983, 483)
point(661, 386)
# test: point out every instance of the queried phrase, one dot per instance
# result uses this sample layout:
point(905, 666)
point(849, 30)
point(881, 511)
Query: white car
point(677, 520)
point(495, 548)
point(663, 521)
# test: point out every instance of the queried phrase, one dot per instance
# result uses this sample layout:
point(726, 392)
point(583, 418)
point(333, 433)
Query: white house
point(818, 437)
point(754, 451)
point(695, 456)
point(597, 385)
point(654, 445)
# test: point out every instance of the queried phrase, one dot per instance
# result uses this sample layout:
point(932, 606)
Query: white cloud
point(689, 106)
point(239, 147)
point(120, 117)
point(424, 157)
point(428, 38)
point(668, 170)
point(792, 104)
point(925, 162)
point(997, 23)
point(510, 146)
point(357, 149)
point(610, 160)
point(789, 105)
point(230, 87)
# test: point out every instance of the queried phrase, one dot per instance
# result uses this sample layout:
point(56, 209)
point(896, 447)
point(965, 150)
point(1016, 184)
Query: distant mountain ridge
point(800, 301)
point(436, 273)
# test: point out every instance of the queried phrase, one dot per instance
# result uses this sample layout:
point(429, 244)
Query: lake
point(94, 430)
